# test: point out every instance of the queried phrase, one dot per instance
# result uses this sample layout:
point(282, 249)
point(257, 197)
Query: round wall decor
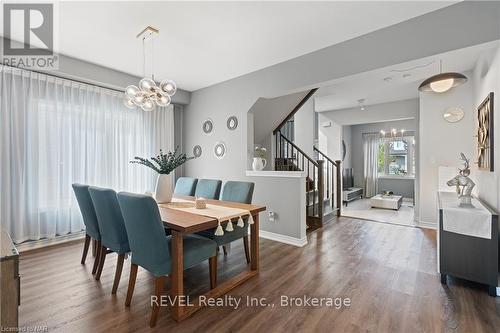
point(197, 151)
point(220, 150)
point(232, 123)
point(208, 126)
point(453, 114)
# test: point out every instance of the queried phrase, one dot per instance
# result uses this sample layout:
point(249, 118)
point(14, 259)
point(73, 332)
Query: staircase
point(323, 175)
point(323, 187)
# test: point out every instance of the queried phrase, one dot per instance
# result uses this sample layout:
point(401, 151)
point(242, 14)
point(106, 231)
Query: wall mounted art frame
point(232, 123)
point(197, 151)
point(220, 150)
point(208, 126)
point(485, 132)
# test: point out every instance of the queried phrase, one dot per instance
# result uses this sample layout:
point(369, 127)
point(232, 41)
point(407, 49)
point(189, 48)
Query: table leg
point(177, 291)
point(254, 247)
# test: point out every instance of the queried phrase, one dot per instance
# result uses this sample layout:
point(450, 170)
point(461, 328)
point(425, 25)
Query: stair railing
point(333, 180)
point(289, 157)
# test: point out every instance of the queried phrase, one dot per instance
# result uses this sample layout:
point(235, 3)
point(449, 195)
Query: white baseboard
point(283, 239)
point(426, 225)
point(33, 245)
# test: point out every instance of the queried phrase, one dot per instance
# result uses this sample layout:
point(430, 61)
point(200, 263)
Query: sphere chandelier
point(148, 94)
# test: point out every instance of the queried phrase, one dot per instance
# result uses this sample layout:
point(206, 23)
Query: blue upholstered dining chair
point(185, 186)
point(113, 233)
point(151, 247)
point(90, 221)
point(208, 188)
point(234, 191)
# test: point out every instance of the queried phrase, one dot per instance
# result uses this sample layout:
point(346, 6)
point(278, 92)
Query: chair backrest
point(237, 192)
point(185, 185)
point(208, 188)
point(147, 239)
point(110, 219)
point(87, 209)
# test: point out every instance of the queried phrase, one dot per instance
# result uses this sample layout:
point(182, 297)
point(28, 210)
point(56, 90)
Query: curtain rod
point(66, 78)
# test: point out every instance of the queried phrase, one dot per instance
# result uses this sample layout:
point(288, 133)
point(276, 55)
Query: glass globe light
point(148, 105)
point(163, 101)
point(129, 103)
point(147, 84)
point(139, 98)
point(131, 91)
point(169, 87)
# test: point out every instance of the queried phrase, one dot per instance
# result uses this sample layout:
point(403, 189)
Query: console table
point(468, 241)
point(351, 194)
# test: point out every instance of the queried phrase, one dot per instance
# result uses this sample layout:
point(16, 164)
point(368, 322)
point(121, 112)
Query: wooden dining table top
point(189, 223)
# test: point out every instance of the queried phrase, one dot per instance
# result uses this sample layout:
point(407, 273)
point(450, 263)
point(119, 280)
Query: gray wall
point(444, 30)
point(347, 137)
point(486, 79)
point(76, 69)
point(441, 142)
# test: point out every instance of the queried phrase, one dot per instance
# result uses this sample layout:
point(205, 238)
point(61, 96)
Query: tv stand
point(351, 194)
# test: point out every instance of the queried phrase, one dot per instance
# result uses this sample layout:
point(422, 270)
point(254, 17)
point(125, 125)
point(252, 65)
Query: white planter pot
point(163, 191)
point(258, 163)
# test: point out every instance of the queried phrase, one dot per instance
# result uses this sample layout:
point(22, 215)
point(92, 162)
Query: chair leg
point(94, 248)
point(225, 250)
point(212, 263)
point(102, 257)
point(247, 251)
point(131, 283)
point(85, 249)
point(159, 285)
point(118, 272)
point(97, 257)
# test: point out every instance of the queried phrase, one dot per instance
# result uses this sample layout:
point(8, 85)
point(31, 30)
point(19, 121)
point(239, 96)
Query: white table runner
point(474, 221)
point(221, 213)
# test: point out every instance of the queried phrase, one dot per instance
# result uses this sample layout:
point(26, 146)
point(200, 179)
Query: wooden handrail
point(295, 109)
point(298, 149)
point(326, 157)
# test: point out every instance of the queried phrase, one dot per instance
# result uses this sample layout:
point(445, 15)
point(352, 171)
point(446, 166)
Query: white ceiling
point(203, 43)
point(402, 80)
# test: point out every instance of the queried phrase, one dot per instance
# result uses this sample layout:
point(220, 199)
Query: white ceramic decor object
point(258, 163)
point(163, 191)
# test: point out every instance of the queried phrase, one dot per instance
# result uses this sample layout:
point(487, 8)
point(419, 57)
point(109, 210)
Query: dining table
point(182, 223)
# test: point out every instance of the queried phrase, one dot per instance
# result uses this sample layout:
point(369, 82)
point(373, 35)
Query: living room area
point(372, 122)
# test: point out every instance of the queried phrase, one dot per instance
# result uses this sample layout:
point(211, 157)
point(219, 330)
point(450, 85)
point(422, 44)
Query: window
point(396, 156)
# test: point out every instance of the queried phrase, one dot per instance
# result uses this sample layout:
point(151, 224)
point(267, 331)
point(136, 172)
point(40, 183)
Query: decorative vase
point(259, 163)
point(163, 191)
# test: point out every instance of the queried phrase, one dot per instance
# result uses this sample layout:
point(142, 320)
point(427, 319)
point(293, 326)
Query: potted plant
point(163, 164)
point(259, 161)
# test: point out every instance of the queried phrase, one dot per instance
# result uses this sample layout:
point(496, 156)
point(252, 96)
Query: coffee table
point(386, 201)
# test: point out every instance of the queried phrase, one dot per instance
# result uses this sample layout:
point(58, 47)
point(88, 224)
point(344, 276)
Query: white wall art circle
point(453, 114)
point(220, 150)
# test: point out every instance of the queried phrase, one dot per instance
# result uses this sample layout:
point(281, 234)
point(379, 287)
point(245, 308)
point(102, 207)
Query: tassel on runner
point(219, 231)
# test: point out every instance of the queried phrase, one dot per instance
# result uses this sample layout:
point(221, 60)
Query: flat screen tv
point(347, 179)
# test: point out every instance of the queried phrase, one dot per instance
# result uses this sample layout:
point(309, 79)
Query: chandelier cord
point(143, 57)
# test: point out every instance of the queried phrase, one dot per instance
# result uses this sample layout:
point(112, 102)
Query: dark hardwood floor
point(387, 271)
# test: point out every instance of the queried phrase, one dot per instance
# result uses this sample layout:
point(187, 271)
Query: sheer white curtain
point(55, 132)
point(370, 163)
